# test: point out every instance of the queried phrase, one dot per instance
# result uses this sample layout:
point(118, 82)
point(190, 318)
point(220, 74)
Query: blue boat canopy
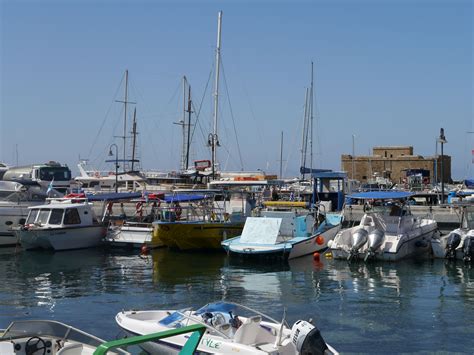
point(381, 195)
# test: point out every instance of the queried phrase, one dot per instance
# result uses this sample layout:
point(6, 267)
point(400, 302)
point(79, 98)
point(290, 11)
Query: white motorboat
point(458, 244)
point(41, 337)
point(387, 231)
point(15, 198)
point(230, 329)
point(62, 224)
point(284, 234)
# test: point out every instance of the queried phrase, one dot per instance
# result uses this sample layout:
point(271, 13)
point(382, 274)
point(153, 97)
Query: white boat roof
point(61, 205)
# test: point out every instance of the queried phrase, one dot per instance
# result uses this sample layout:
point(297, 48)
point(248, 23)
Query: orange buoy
point(316, 256)
point(319, 240)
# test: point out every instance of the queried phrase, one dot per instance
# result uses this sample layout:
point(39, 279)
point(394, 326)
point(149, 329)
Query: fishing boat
point(230, 329)
point(195, 219)
point(387, 231)
point(41, 337)
point(135, 231)
point(286, 234)
point(62, 224)
point(459, 243)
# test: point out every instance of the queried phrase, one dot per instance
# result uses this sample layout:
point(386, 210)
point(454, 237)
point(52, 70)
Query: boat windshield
point(469, 219)
point(32, 216)
point(43, 215)
point(30, 328)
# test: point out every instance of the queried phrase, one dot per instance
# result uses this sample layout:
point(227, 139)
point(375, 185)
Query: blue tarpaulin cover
point(381, 195)
point(469, 183)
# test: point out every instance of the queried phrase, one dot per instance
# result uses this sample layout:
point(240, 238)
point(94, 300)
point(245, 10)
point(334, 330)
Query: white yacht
point(387, 231)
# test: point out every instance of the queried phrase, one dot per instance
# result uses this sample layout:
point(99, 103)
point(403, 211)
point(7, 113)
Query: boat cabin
point(61, 215)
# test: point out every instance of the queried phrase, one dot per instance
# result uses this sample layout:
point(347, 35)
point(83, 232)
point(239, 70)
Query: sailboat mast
point(305, 135)
point(281, 156)
point(125, 120)
point(134, 137)
point(311, 121)
point(188, 143)
point(183, 125)
point(215, 141)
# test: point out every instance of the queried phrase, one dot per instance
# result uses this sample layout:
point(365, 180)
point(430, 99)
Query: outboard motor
point(453, 241)
point(307, 339)
point(359, 238)
point(376, 238)
point(468, 248)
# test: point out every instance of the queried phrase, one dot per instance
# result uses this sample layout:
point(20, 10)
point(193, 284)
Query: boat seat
point(248, 331)
point(73, 349)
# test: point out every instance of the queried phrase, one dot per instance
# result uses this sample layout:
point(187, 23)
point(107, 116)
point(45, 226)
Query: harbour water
point(411, 306)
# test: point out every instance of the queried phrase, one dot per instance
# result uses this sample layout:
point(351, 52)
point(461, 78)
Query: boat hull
point(61, 238)
point(395, 247)
point(11, 215)
point(132, 237)
point(195, 235)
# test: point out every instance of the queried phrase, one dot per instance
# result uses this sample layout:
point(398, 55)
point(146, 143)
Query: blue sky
point(389, 72)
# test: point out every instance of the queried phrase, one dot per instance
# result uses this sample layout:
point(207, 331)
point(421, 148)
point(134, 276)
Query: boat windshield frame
point(31, 328)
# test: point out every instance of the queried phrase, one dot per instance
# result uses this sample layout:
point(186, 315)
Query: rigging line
point(232, 116)
point(105, 118)
point(252, 114)
point(295, 137)
point(198, 112)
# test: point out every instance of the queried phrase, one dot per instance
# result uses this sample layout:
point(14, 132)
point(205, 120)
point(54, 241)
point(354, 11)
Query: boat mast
point(311, 102)
point(188, 143)
point(305, 135)
point(125, 119)
point(134, 137)
point(124, 137)
point(214, 139)
point(281, 156)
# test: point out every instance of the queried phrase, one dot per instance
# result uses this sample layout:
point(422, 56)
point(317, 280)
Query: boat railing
point(189, 347)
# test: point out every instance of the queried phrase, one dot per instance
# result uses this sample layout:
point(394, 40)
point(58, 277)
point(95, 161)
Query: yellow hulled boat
point(185, 235)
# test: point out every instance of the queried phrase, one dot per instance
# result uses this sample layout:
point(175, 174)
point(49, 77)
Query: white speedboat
point(387, 231)
point(458, 244)
point(41, 337)
point(230, 329)
point(285, 234)
point(62, 224)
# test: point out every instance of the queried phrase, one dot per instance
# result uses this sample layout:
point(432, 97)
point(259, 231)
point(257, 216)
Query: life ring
point(97, 174)
point(139, 209)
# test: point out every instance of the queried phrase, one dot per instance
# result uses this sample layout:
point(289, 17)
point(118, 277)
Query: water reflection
point(411, 305)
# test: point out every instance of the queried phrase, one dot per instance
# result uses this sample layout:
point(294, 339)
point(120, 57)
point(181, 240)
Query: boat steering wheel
point(35, 344)
point(218, 319)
